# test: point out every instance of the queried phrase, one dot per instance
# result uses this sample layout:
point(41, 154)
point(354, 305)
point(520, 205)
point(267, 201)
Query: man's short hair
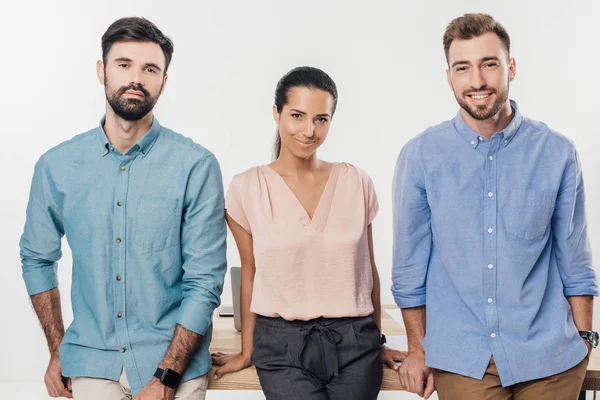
point(470, 26)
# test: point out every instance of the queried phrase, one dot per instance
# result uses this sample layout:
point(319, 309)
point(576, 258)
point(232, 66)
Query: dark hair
point(136, 29)
point(474, 25)
point(309, 77)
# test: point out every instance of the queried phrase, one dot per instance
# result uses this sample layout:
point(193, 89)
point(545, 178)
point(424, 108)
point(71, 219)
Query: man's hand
point(229, 363)
point(415, 376)
point(155, 390)
point(390, 356)
point(47, 308)
point(53, 380)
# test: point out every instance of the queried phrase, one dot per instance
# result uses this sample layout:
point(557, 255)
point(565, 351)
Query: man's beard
point(481, 113)
point(130, 109)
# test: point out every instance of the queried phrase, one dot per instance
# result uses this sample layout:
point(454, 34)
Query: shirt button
point(480, 138)
point(490, 230)
point(112, 149)
point(123, 168)
point(472, 142)
point(118, 277)
point(119, 315)
point(105, 152)
point(491, 158)
point(493, 335)
point(490, 266)
point(119, 203)
point(122, 350)
point(489, 301)
point(490, 194)
point(118, 240)
point(506, 141)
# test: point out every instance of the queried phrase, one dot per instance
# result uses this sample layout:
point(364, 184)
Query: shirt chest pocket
point(157, 223)
point(528, 212)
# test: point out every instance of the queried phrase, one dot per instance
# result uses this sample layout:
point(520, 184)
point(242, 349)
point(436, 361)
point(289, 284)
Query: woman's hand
point(390, 356)
point(229, 363)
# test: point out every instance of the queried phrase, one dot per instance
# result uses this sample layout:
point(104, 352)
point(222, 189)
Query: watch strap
point(159, 373)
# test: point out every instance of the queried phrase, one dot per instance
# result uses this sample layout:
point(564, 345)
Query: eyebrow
point(491, 58)
point(125, 59)
point(484, 59)
point(303, 113)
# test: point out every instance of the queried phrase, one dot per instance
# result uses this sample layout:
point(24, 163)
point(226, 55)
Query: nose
point(136, 77)
point(477, 79)
point(310, 129)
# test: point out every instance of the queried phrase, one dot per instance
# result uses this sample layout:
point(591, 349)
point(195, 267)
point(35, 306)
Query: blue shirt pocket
point(528, 212)
point(157, 223)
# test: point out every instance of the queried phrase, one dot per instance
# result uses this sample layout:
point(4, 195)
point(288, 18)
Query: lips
point(480, 95)
point(305, 144)
point(135, 93)
point(480, 98)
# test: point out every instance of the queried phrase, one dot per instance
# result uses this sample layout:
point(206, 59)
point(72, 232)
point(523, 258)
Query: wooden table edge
point(248, 379)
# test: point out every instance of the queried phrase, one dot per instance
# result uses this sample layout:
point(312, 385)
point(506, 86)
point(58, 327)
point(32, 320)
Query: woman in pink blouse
point(311, 313)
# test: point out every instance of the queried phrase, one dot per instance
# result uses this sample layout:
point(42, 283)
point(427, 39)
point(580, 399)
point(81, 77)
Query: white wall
point(386, 59)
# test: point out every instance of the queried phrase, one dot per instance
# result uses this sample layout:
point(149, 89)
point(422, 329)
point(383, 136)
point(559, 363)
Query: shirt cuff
point(581, 291)
point(410, 301)
point(39, 280)
point(195, 316)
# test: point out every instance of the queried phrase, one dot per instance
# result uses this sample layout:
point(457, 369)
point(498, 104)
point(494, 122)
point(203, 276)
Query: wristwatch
point(168, 377)
point(383, 339)
point(590, 336)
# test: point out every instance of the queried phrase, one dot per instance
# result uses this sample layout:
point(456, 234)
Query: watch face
point(171, 378)
point(595, 338)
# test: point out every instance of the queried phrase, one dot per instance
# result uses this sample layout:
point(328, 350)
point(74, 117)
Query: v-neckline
point(324, 201)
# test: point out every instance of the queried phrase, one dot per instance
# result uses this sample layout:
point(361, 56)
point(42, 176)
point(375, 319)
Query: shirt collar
point(144, 144)
point(473, 138)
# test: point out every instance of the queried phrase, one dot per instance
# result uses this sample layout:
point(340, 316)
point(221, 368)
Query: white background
point(385, 56)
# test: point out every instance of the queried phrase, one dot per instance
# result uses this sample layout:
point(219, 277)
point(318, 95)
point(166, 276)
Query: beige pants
point(563, 386)
point(104, 389)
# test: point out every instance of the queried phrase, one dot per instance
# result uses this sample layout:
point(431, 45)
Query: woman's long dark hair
point(309, 77)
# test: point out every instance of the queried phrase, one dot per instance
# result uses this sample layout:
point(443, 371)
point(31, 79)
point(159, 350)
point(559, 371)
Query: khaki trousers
point(563, 386)
point(103, 389)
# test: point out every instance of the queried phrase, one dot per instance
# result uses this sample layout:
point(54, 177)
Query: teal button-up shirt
point(147, 233)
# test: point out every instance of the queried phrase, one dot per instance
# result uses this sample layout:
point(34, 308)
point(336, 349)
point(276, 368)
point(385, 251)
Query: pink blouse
point(307, 268)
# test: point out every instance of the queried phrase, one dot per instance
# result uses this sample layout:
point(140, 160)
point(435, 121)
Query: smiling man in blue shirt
point(142, 209)
point(492, 263)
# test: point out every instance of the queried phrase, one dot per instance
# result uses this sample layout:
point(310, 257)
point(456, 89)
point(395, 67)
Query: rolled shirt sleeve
point(203, 246)
point(412, 231)
point(569, 227)
point(41, 240)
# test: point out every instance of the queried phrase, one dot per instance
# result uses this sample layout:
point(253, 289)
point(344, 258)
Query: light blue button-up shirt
point(147, 233)
point(491, 236)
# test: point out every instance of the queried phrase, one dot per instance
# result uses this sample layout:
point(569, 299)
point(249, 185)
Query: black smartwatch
point(590, 336)
point(168, 377)
point(383, 339)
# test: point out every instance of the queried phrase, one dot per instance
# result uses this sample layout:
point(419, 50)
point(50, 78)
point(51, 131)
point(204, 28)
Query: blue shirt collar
point(473, 138)
point(144, 144)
